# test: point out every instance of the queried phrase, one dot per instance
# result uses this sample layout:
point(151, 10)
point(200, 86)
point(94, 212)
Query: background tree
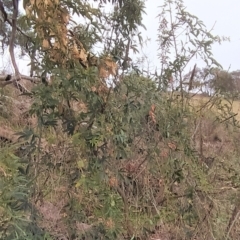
point(224, 81)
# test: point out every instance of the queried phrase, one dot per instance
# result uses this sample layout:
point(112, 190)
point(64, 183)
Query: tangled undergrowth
point(130, 163)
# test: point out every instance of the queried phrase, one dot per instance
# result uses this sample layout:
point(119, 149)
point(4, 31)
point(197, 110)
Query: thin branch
point(197, 49)
point(226, 119)
point(24, 34)
point(6, 19)
point(4, 14)
point(13, 36)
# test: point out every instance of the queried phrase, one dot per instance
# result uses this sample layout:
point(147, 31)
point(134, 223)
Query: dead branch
point(8, 79)
point(17, 78)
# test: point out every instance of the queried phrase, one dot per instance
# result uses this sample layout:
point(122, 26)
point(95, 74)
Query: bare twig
point(196, 129)
point(232, 221)
point(228, 118)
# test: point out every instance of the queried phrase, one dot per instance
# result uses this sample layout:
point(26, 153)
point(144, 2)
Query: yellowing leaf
point(47, 2)
point(28, 10)
point(107, 67)
point(83, 55)
point(65, 17)
point(45, 44)
point(81, 164)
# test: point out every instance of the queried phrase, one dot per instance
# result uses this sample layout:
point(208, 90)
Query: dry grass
point(200, 101)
